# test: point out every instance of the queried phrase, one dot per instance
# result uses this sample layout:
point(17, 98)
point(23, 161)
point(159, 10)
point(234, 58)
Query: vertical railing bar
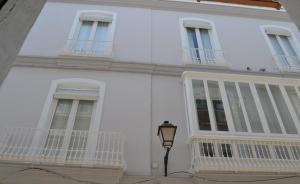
point(103, 147)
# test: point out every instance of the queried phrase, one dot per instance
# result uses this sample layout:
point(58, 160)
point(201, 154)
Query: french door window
point(283, 46)
point(92, 37)
point(285, 52)
point(200, 45)
point(69, 129)
point(92, 34)
point(200, 42)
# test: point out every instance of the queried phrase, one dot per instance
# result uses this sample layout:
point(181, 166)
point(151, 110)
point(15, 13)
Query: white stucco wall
point(153, 36)
point(126, 106)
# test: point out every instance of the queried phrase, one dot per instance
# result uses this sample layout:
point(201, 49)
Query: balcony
point(58, 147)
point(88, 48)
point(245, 153)
point(287, 63)
point(203, 56)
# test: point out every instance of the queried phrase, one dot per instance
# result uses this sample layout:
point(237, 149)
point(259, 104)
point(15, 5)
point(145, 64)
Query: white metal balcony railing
point(89, 48)
point(203, 56)
point(287, 62)
point(239, 153)
point(21, 145)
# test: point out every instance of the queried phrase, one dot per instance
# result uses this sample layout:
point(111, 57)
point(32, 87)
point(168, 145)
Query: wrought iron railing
point(89, 48)
point(240, 153)
point(203, 56)
point(286, 62)
point(62, 147)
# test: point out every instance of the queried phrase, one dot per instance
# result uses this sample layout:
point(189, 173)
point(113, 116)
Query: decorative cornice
point(104, 64)
point(196, 7)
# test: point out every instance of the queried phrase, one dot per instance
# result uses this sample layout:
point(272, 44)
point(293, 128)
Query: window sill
point(87, 54)
point(216, 64)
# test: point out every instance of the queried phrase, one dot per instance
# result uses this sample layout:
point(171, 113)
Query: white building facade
point(95, 79)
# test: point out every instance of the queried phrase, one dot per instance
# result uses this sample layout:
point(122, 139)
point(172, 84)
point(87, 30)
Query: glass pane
point(207, 45)
point(235, 106)
point(193, 44)
point(83, 36)
point(292, 94)
point(278, 49)
point(251, 109)
point(79, 136)
point(101, 43)
point(57, 132)
point(292, 56)
point(85, 30)
point(61, 115)
point(218, 107)
point(283, 110)
point(83, 116)
point(268, 108)
point(201, 105)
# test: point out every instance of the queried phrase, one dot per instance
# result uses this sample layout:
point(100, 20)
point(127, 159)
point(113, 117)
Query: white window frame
point(193, 125)
point(97, 15)
point(292, 39)
point(210, 26)
point(51, 103)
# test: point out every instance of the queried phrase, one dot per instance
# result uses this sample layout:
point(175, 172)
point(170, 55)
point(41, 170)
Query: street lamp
point(166, 133)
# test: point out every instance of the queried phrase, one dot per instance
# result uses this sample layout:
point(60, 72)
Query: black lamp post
point(166, 133)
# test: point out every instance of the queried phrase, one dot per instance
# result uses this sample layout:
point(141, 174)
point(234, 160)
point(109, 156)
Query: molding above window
point(277, 30)
point(193, 23)
point(96, 16)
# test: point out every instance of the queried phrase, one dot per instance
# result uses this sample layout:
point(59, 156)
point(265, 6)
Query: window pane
point(268, 108)
point(278, 49)
point(292, 56)
point(201, 105)
point(207, 45)
point(283, 110)
point(193, 44)
point(235, 106)
point(291, 91)
point(83, 115)
point(100, 41)
point(217, 106)
point(58, 126)
point(61, 115)
point(83, 36)
point(85, 30)
point(79, 136)
point(251, 109)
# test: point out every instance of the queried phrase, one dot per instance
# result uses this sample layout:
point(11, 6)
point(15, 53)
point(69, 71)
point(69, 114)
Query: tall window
point(69, 128)
point(283, 47)
point(243, 105)
point(92, 34)
point(68, 118)
point(201, 46)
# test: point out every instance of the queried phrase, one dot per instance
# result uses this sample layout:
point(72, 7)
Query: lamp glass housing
point(166, 133)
